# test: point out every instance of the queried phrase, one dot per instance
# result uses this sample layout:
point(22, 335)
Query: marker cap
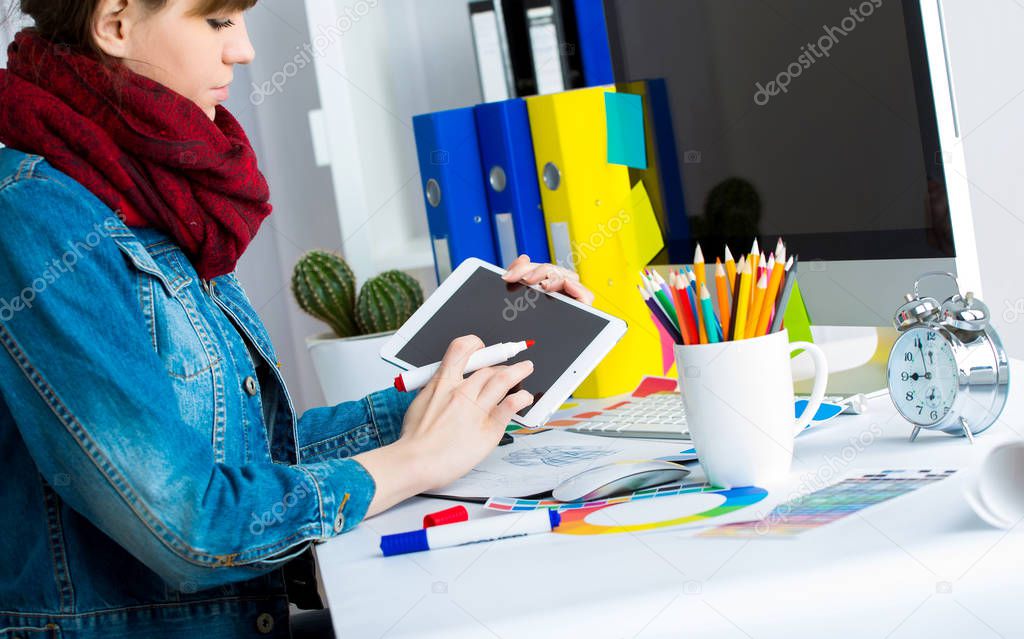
point(451, 515)
point(402, 543)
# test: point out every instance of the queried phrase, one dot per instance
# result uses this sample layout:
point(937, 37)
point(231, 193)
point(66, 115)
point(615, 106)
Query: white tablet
point(570, 337)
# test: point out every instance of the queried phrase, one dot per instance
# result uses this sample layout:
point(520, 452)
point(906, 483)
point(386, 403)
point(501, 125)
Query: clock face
point(923, 376)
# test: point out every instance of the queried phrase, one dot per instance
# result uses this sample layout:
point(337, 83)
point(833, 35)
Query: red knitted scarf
point(147, 152)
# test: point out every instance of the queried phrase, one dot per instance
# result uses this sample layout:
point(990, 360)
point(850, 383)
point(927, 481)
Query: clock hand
point(920, 349)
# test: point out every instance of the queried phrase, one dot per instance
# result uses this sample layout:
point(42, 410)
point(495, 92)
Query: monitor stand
point(857, 358)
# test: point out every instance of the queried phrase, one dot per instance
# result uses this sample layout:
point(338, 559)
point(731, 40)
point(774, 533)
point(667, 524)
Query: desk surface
point(920, 565)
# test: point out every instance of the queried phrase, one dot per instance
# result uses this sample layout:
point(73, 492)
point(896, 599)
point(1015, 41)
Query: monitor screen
point(813, 120)
point(496, 311)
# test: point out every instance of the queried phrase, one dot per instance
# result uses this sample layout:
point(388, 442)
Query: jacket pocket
point(177, 330)
point(179, 333)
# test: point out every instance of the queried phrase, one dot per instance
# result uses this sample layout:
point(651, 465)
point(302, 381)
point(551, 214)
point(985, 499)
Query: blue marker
point(470, 532)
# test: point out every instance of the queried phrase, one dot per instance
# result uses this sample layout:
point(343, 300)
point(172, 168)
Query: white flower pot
point(350, 368)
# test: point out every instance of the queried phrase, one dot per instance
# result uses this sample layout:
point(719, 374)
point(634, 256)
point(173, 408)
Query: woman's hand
point(449, 428)
point(552, 278)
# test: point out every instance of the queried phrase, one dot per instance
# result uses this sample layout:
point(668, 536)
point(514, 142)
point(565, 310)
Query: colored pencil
point(735, 299)
point(709, 315)
point(660, 281)
point(740, 327)
point(659, 315)
point(682, 306)
point(777, 271)
point(730, 271)
point(654, 290)
point(722, 293)
point(755, 308)
point(787, 289)
point(700, 273)
point(755, 253)
point(689, 313)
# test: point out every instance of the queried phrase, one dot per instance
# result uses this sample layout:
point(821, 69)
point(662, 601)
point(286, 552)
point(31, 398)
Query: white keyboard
point(659, 416)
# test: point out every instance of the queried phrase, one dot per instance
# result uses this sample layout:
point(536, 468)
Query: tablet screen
point(496, 311)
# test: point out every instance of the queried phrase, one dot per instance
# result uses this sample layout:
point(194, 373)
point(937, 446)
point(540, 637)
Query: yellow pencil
point(742, 301)
point(700, 273)
point(755, 308)
point(752, 268)
point(773, 288)
point(722, 293)
point(755, 254)
point(730, 270)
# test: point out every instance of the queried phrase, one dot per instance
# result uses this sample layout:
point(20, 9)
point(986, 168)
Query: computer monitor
point(829, 123)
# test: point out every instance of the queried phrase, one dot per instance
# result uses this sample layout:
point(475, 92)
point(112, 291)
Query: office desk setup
point(919, 565)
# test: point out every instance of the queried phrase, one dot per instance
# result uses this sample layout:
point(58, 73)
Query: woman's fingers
point(539, 272)
point(504, 379)
point(517, 269)
point(580, 292)
point(453, 364)
point(503, 412)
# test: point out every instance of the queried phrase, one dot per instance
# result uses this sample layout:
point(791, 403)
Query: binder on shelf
point(453, 188)
point(510, 181)
point(591, 38)
point(495, 75)
point(587, 204)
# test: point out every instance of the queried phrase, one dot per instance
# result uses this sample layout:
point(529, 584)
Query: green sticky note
point(796, 319)
point(625, 119)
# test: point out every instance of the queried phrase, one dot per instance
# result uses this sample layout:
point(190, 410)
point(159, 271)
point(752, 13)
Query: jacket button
point(250, 386)
point(265, 623)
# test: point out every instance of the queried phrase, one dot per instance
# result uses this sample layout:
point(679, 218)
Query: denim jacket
point(156, 475)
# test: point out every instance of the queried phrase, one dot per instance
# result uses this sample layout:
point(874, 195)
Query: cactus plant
point(325, 287)
point(408, 283)
point(386, 301)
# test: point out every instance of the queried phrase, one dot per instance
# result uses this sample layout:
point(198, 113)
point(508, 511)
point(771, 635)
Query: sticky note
point(797, 321)
point(625, 119)
point(640, 235)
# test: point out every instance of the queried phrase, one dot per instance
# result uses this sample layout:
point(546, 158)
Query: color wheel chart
point(574, 515)
point(830, 504)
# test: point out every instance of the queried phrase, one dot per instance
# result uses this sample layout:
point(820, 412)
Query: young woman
point(157, 477)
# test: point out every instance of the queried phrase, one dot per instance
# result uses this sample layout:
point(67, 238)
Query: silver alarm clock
point(947, 370)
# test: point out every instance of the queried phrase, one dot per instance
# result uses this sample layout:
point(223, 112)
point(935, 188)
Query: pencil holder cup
point(738, 398)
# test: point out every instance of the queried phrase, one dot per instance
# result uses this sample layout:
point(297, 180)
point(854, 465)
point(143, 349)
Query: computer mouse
point(618, 478)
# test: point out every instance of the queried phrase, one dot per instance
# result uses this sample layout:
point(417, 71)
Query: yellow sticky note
point(640, 234)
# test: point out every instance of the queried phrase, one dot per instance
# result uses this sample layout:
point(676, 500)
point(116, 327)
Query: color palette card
point(824, 506)
point(650, 509)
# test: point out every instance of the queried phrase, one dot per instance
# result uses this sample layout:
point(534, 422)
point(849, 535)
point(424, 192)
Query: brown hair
point(70, 21)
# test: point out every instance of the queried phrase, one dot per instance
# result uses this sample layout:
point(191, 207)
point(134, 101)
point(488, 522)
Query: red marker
point(491, 356)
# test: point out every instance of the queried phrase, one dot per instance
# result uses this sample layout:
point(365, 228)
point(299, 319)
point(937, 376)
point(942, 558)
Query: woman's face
point(193, 55)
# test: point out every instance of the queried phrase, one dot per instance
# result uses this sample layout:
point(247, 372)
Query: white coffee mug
point(995, 488)
point(739, 406)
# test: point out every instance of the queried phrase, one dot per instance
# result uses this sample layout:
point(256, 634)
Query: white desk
point(920, 565)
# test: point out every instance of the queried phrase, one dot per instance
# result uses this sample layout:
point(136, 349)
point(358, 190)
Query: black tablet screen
point(495, 311)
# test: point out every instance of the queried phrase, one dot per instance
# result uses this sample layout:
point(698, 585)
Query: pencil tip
point(698, 255)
